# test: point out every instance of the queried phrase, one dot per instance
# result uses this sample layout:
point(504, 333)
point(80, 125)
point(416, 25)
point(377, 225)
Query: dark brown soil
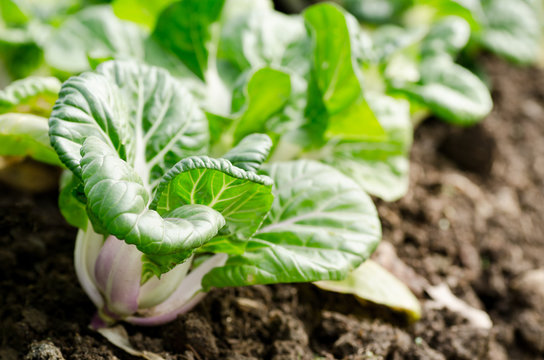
point(473, 219)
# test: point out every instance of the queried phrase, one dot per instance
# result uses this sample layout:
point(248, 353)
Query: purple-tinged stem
point(97, 322)
point(118, 271)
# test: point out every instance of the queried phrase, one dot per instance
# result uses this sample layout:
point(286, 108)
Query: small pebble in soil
point(44, 350)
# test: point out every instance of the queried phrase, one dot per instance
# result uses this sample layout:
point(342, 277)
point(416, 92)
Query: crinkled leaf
point(335, 78)
point(190, 21)
point(242, 197)
point(34, 95)
point(371, 282)
point(250, 153)
point(321, 226)
point(93, 32)
point(450, 91)
point(141, 11)
point(118, 199)
point(379, 167)
point(26, 135)
point(141, 111)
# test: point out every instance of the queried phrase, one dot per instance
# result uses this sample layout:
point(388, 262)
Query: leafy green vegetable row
point(509, 28)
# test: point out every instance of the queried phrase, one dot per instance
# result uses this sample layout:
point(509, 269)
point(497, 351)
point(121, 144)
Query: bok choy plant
point(161, 222)
point(221, 143)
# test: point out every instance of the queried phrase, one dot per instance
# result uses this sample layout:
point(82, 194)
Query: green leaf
point(19, 55)
point(45, 11)
point(34, 95)
point(72, 201)
point(332, 57)
point(335, 77)
point(389, 40)
point(371, 282)
point(261, 37)
point(450, 91)
point(141, 11)
point(26, 135)
point(242, 197)
point(380, 167)
point(11, 13)
point(96, 33)
point(156, 55)
point(218, 126)
point(118, 199)
point(141, 111)
point(509, 28)
point(190, 21)
point(355, 122)
point(267, 93)
point(470, 10)
point(512, 29)
point(250, 153)
point(321, 226)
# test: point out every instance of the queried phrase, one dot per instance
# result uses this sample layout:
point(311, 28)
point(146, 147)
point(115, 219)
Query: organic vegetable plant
point(219, 143)
point(161, 221)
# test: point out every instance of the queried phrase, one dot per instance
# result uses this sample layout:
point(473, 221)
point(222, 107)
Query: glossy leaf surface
point(242, 197)
point(141, 111)
point(335, 78)
point(321, 226)
point(118, 199)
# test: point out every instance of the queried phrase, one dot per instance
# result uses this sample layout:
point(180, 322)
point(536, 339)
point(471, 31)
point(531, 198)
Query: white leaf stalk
point(110, 272)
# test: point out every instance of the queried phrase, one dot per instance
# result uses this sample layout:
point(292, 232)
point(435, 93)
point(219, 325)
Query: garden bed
point(473, 218)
